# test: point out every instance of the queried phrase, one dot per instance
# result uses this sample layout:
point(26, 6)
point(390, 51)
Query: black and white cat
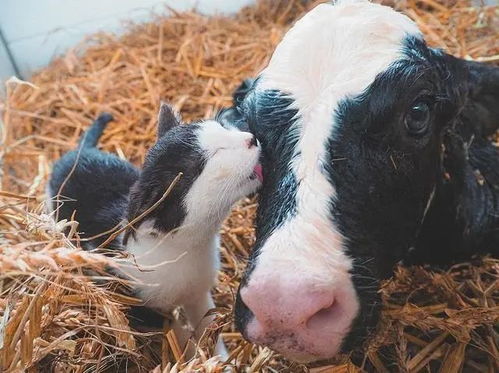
point(174, 248)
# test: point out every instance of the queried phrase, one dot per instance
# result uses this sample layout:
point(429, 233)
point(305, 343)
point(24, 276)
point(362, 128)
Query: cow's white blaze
point(333, 52)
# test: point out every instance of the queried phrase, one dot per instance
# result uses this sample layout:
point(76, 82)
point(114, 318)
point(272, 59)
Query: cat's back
point(92, 187)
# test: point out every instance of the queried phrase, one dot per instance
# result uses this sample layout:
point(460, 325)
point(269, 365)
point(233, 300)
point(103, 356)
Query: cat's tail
point(92, 135)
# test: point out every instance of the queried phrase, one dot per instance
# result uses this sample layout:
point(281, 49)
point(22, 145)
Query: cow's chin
point(301, 349)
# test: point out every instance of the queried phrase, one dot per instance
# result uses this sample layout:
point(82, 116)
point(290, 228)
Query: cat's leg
point(196, 313)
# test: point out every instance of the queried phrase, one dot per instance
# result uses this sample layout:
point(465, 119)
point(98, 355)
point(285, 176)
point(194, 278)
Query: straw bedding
point(60, 309)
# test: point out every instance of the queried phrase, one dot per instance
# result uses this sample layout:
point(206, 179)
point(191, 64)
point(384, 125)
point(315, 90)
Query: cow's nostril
point(323, 317)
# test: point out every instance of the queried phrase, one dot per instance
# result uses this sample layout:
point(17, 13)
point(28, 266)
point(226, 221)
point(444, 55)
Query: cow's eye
point(417, 119)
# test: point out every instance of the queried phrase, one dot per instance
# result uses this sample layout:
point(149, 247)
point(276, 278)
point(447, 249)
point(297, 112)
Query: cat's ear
point(167, 119)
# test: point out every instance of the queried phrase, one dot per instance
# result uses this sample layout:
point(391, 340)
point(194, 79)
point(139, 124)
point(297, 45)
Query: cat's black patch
point(177, 152)
point(100, 190)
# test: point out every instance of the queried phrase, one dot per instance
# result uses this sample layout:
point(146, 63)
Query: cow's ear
point(242, 90)
point(231, 117)
point(167, 119)
point(482, 102)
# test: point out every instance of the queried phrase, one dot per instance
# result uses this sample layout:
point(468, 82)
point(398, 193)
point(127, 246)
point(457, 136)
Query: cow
point(375, 151)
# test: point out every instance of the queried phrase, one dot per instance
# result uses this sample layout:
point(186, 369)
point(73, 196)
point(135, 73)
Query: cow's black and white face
point(350, 112)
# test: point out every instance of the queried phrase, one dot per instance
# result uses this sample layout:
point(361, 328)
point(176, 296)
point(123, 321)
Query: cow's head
point(350, 112)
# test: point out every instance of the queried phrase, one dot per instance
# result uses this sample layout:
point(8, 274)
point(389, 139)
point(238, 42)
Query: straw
point(61, 310)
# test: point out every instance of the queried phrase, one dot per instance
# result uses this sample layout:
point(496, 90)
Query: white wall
point(38, 30)
point(6, 68)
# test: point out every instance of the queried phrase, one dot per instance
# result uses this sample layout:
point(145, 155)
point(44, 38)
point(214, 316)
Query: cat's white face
point(231, 170)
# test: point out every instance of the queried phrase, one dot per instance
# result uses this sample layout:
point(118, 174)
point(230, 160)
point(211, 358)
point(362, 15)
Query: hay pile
point(56, 313)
